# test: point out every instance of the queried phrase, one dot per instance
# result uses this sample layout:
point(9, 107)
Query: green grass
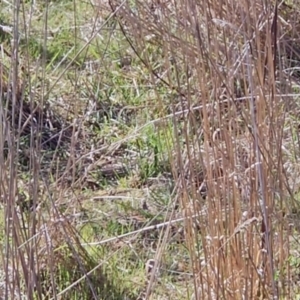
point(123, 101)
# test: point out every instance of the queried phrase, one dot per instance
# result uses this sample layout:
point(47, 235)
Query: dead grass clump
point(230, 61)
point(25, 116)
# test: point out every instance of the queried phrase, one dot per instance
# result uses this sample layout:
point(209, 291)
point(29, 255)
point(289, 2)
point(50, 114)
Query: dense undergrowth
point(149, 150)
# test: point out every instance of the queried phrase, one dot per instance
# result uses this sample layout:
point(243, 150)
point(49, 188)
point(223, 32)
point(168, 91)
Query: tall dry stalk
point(30, 237)
point(19, 251)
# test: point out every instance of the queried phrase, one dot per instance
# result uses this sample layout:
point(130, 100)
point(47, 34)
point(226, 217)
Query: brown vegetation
point(224, 76)
point(242, 56)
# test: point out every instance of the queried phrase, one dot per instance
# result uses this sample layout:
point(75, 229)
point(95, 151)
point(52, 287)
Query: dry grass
point(164, 143)
point(233, 63)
